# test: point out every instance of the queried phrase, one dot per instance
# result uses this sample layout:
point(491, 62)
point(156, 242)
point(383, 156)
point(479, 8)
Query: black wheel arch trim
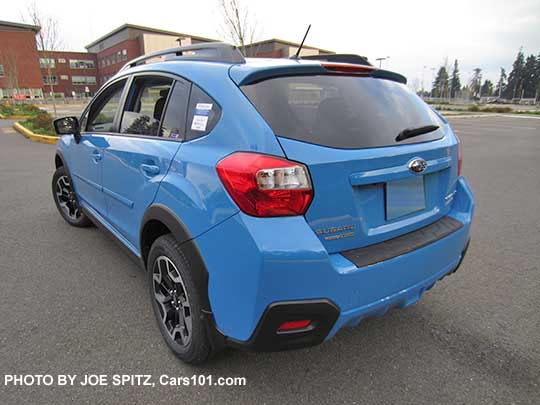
point(58, 154)
point(168, 218)
point(192, 254)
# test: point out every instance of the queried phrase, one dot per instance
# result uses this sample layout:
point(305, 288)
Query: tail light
point(266, 186)
point(348, 68)
point(460, 157)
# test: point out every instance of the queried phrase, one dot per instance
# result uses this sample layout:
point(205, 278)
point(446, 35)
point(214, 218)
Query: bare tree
point(48, 40)
point(9, 60)
point(239, 25)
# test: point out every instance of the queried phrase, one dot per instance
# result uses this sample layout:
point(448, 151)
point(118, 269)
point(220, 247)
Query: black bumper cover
point(322, 313)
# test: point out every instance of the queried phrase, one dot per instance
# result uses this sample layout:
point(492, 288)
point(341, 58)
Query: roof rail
point(207, 51)
point(340, 57)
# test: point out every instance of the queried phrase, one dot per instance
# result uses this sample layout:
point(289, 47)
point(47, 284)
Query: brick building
point(129, 41)
point(279, 48)
point(72, 73)
point(26, 71)
point(19, 61)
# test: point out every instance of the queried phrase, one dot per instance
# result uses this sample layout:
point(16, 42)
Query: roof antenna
point(297, 55)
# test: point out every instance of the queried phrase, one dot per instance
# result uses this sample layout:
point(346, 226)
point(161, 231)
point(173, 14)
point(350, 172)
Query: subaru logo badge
point(417, 165)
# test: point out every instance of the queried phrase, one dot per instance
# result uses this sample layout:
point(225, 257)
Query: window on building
point(145, 107)
point(124, 54)
point(64, 77)
point(83, 80)
point(45, 63)
point(61, 60)
point(81, 64)
point(50, 80)
point(2, 70)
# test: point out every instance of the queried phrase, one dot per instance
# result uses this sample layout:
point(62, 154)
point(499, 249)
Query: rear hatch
point(344, 128)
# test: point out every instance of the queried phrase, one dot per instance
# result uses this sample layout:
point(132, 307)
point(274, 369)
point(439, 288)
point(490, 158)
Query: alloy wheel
point(66, 198)
point(172, 300)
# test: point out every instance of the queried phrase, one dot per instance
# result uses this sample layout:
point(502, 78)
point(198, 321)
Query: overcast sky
point(414, 33)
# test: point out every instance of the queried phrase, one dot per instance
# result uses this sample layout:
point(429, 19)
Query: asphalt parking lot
point(72, 302)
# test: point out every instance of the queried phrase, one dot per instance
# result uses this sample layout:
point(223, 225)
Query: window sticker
point(203, 109)
point(174, 135)
point(199, 122)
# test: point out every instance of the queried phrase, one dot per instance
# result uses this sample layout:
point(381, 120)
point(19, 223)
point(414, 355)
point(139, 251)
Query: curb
point(15, 117)
point(35, 137)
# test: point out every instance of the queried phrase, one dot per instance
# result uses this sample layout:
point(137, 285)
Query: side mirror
point(68, 126)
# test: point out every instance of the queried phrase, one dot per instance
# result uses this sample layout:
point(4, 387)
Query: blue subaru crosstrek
point(271, 202)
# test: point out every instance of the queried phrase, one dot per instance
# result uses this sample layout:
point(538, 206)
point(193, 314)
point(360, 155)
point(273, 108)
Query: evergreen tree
point(455, 84)
point(537, 77)
point(476, 82)
point(515, 78)
point(440, 85)
point(501, 84)
point(487, 89)
point(529, 77)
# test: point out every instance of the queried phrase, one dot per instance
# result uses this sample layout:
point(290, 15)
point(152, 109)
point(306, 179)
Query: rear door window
point(174, 120)
point(145, 105)
point(339, 111)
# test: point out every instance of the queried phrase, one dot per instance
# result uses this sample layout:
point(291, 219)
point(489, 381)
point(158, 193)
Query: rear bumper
point(325, 317)
point(258, 266)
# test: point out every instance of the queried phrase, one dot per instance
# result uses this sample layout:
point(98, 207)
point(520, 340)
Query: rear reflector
point(294, 325)
point(460, 157)
point(266, 186)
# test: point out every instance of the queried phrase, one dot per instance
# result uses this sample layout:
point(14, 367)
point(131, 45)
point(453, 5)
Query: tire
point(176, 301)
point(66, 199)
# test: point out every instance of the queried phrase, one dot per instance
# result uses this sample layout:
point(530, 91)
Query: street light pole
point(381, 59)
point(423, 69)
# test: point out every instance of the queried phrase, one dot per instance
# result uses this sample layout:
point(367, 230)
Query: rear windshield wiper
point(412, 132)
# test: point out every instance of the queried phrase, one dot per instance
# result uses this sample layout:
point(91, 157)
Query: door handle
point(150, 170)
point(97, 156)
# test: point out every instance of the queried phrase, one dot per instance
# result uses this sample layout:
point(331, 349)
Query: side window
point(83, 121)
point(203, 114)
point(174, 120)
point(145, 105)
point(103, 109)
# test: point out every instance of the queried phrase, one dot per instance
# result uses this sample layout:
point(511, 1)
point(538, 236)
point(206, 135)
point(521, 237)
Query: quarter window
point(203, 114)
point(145, 106)
point(103, 109)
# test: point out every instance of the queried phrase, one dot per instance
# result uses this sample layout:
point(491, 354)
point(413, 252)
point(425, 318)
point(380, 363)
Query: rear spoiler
point(244, 74)
point(340, 57)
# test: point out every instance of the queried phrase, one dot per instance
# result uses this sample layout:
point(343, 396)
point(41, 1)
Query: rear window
point(341, 111)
